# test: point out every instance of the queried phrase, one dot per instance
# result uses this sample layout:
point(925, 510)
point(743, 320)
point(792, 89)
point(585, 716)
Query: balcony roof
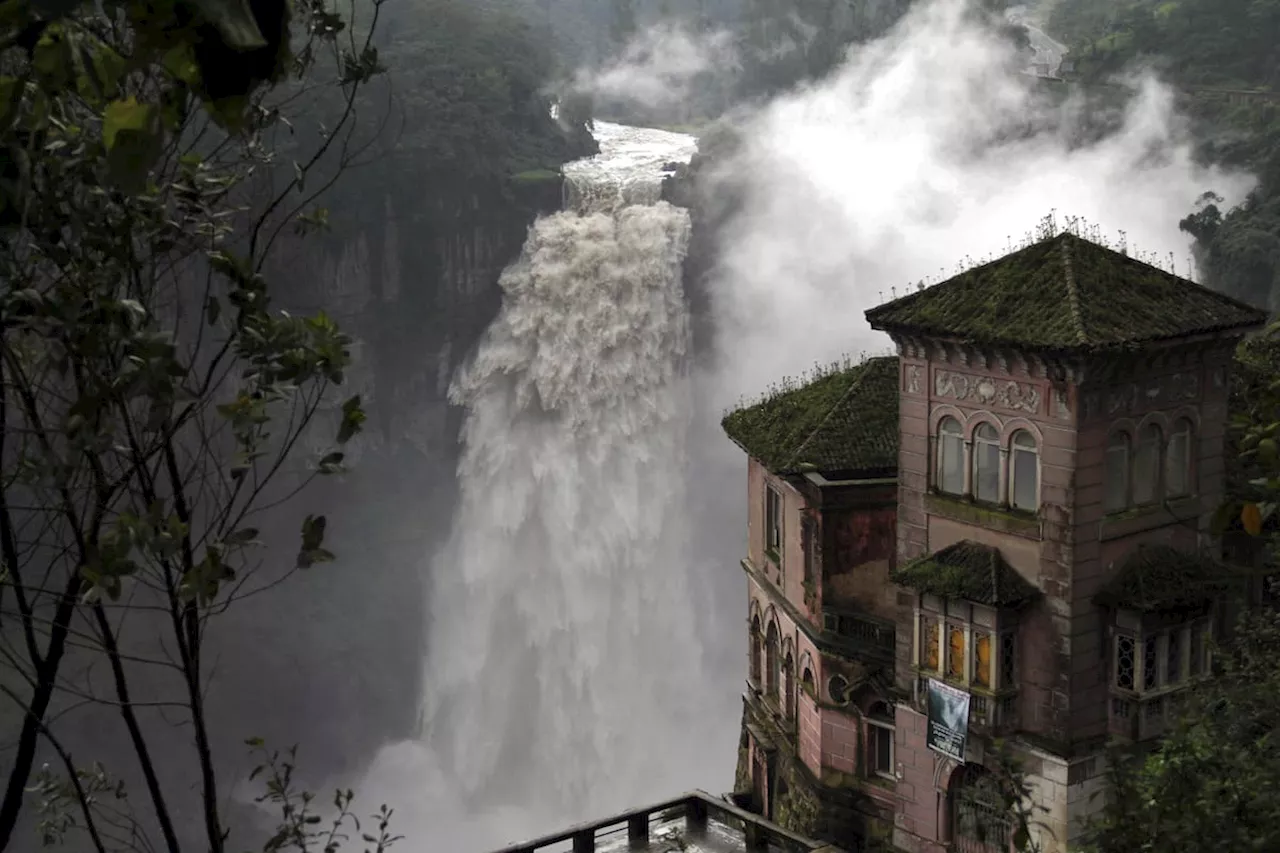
point(695, 822)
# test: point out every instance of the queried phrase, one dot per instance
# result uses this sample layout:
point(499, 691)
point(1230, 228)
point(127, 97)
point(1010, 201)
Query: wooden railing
point(697, 808)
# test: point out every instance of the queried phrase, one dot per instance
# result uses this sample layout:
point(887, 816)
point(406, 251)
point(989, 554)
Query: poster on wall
point(948, 720)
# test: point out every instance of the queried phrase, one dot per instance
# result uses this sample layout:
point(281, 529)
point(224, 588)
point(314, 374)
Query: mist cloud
point(660, 66)
point(925, 148)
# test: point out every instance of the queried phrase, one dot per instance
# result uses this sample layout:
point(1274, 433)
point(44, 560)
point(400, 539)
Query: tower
point(1062, 419)
point(1003, 532)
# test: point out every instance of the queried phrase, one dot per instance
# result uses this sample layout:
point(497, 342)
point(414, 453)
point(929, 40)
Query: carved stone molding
point(912, 382)
point(986, 391)
point(1133, 397)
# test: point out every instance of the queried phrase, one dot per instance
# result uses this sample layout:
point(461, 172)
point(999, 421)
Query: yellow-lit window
point(982, 660)
point(930, 636)
point(955, 651)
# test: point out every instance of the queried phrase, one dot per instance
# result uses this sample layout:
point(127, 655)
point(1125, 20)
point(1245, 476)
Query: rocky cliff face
point(416, 287)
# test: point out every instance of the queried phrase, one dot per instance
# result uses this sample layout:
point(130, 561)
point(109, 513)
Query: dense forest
point(1200, 46)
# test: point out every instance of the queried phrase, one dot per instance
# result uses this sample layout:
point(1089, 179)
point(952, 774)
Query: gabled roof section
point(846, 420)
point(970, 571)
point(1065, 294)
point(1155, 578)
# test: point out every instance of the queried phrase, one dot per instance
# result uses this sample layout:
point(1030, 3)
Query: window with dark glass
point(1024, 472)
point(1117, 473)
point(1150, 659)
point(771, 662)
point(1177, 463)
point(986, 464)
point(950, 457)
point(880, 729)
point(1146, 465)
point(755, 650)
point(1008, 661)
point(1173, 658)
point(772, 520)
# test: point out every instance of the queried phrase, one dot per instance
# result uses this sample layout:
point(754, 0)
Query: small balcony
point(695, 822)
point(859, 634)
point(989, 713)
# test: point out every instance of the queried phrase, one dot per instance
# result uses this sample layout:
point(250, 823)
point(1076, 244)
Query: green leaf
point(132, 134)
point(332, 463)
point(243, 536)
point(353, 418)
point(128, 115)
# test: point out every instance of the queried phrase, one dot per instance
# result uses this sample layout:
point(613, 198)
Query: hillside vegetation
point(1205, 44)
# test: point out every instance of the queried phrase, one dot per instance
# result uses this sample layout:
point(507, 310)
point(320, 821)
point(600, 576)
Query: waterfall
point(562, 669)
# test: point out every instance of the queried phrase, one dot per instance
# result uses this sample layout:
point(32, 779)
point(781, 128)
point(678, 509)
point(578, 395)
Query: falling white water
point(562, 671)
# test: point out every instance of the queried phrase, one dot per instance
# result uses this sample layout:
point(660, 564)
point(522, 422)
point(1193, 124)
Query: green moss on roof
point(1065, 293)
point(1157, 578)
point(845, 420)
point(966, 570)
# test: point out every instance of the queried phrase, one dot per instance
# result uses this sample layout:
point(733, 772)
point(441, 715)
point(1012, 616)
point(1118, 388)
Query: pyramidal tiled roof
point(1065, 294)
point(1158, 577)
point(968, 570)
point(844, 421)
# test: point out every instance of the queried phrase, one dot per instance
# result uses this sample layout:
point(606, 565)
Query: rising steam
point(925, 149)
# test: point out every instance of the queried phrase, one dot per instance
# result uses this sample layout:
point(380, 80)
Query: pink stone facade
point(824, 591)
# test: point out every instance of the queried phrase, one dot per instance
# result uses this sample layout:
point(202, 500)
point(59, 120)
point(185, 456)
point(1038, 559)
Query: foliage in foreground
point(153, 403)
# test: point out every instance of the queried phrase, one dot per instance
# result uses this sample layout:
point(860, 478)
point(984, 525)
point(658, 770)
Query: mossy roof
point(1154, 578)
point(1065, 294)
point(967, 570)
point(846, 420)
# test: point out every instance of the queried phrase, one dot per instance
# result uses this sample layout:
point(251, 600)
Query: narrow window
point(1150, 661)
point(1177, 467)
point(880, 730)
point(1025, 472)
point(806, 547)
point(1124, 662)
point(806, 682)
point(1173, 658)
point(1008, 659)
point(1146, 466)
point(1197, 645)
point(950, 457)
point(982, 674)
point(931, 637)
point(755, 650)
point(772, 522)
point(1117, 476)
point(789, 686)
point(955, 651)
point(986, 464)
point(771, 661)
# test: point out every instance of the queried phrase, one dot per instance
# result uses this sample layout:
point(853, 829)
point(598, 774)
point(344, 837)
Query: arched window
point(980, 821)
point(1117, 475)
point(1146, 465)
point(807, 683)
point(772, 664)
point(986, 464)
point(880, 728)
point(950, 457)
point(1024, 472)
point(755, 650)
point(1177, 462)
point(789, 686)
